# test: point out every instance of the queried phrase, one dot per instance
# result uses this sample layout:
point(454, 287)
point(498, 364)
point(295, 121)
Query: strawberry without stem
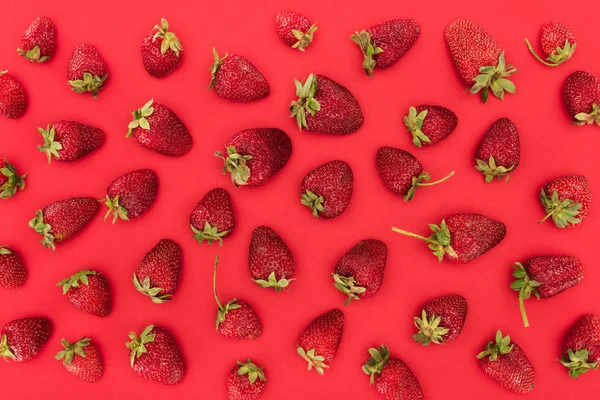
point(327, 189)
point(88, 291)
point(429, 124)
point(320, 341)
point(581, 95)
point(82, 359)
point(22, 339)
point(567, 200)
point(38, 42)
point(270, 260)
point(246, 381)
point(13, 99)
point(10, 180)
point(295, 29)
point(86, 71)
point(212, 218)
point(441, 320)
point(558, 44)
point(499, 151)
point(157, 275)
point(582, 346)
point(13, 273)
point(235, 78)
point(130, 195)
point(161, 51)
point(70, 140)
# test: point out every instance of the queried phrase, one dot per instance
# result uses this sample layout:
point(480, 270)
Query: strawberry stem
point(428, 240)
point(436, 182)
point(215, 283)
point(533, 53)
point(522, 306)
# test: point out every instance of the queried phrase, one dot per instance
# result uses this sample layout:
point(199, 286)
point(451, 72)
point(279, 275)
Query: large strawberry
point(320, 341)
point(582, 346)
point(581, 96)
point(157, 275)
point(70, 140)
point(22, 339)
point(235, 78)
point(295, 29)
point(13, 273)
point(130, 195)
point(10, 180)
point(429, 124)
point(558, 44)
point(161, 51)
point(327, 189)
point(246, 381)
point(567, 200)
point(38, 42)
point(212, 218)
point(86, 71)
point(270, 259)
point(441, 320)
point(499, 151)
point(88, 291)
point(13, 99)
point(82, 359)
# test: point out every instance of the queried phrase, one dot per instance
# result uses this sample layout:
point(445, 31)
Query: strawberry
point(88, 291)
point(253, 156)
point(82, 359)
point(156, 356)
point(271, 261)
point(359, 273)
point(581, 95)
point(86, 71)
point(158, 273)
point(130, 195)
point(499, 151)
point(402, 173)
point(38, 42)
point(158, 128)
point(327, 189)
point(13, 99)
point(544, 277)
point(582, 346)
point(558, 44)
point(295, 29)
point(320, 341)
point(246, 381)
point(567, 200)
point(461, 238)
point(13, 273)
point(161, 51)
point(441, 320)
point(237, 79)
point(22, 339)
point(392, 378)
point(429, 124)
point(70, 140)
point(64, 219)
point(324, 105)
point(478, 58)
point(507, 365)
point(10, 180)
point(212, 218)
point(384, 44)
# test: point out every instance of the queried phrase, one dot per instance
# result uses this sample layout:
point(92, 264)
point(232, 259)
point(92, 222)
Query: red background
point(551, 147)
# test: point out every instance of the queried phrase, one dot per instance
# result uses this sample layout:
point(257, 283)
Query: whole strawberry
point(212, 219)
point(582, 346)
point(70, 140)
point(38, 42)
point(10, 180)
point(156, 356)
point(157, 275)
point(295, 29)
point(324, 105)
point(158, 128)
point(161, 51)
point(499, 151)
point(130, 195)
point(320, 341)
point(558, 44)
point(237, 79)
point(253, 156)
point(581, 95)
point(13, 273)
point(567, 200)
point(479, 60)
point(88, 291)
point(429, 124)
point(270, 260)
point(13, 99)
point(64, 219)
point(86, 71)
point(461, 238)
point(22, 339)
point(82, 359)
point(327, 189)
point(441, 320)
point(246, 381)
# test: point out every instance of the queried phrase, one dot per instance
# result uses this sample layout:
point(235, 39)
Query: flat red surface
point(551, 147)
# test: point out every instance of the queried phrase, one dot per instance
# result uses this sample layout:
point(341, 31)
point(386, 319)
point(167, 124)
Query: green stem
point(412, 235)
point(436, 182)
point(522, 306)
point(532, 51)
point(546, 217)
point(215, 284)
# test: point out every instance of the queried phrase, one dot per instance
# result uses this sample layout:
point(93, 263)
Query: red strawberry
point(392, 378)
point(213, 219)
point(130, 195)
point(478, 58)
point(359, 273)
point(402, 173)
point(13, 273)
point(384, 44)
point(441, 320)
point(581, 95)
point(70, 140)
point(158, 273)
point(295, 29)
point(320, 341)
point(324, 105)
point(13, 99)
point(156, 356)
point(507, 365)
point(558, 44)
point(582, 346)
point(82, 359)
point(246, 381)
point(62, 220)
point(158, 128)
point(237, 79)
point(567, 200)
point(429, 124)
point(461, 238)
point(86, 71)
point(253, 156)
point(22, 339)
point(499, 151)
point(38, 42)
point(161, 51)
point(271, 261)
point(10, 180)
point(544, 277)
point(327, 189)
point(88, 291)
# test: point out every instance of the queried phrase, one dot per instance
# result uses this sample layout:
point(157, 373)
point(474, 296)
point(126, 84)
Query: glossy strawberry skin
point(237, 79)
point(501, 141)
point(334, 182)
point(68, 217)
point(365, 262)
point(89, 368)
point(157, 63)
point(167, 134)
point(13, 99)
point(585, 334)
point(162, 264)
point(240, 388)
point(268, 253)
point(13, 273)
point(554, 273)
point(41, 33)
point(136, 190)
point(453, 312)
point(513, 371)
point(324, 334)
point(163, 362)
point(439, 123)
point(77, 139)
point(26, 337)
point(554, 34)
point(396, 381)
point(581, 91)
point(473, 235)
point(94, 298)
point(575, 188)
point(86, 59)
point(395, 38)
point(241, 323)
point(216, 209)
point(287, 21)
point(397, 168)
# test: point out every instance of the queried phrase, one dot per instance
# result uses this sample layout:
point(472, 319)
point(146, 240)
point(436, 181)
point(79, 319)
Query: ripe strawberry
point(295, 29)
point(507, 365)
point(429, 124)
point(384, 44)
point(359, 273)
point(156, 356)
point(38, 42)
point(441, 320)
point(581, 95)
point(13, 273)
point(62, 220)
point(88, 291)
point(161, 51)
point(567, 200)
point(86, 71)
point(158, 273)
point(10, 180)
point(22, 339)
point(558, 44)
point(320, 341)
point(461, 238)
point(402, 173)
point(158, 128)
point(237, 79)
point(324, 105)
point(478, 58)
point(130, 195)
point(212, 218)
point(499, 151)
point(392, 378)
point(582, 346)
point(13, 99)
point(271, 261)
point(544, 277)
point(253, 156)
point(327, 189)
point(246, 381)
point(82, 359)
point(70, 140)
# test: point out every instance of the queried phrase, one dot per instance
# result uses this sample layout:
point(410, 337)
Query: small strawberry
point(582, 346)
point(295, 29)
point(70, 140)
point(567, 200)
point(271, 261)
point(246, 381)
point(461, 238)
point(82, 359)
point(429, 124)
point(22, 339)
point(499, 151)
point(13, 99)
point(13, 273)
point(38, 42)
point(237, 79)
point(327, 189)
point(320, 341)
point(558, 44)
point(157, 275)
point(212, 219)
point(161, 51)
point(86, 71)
point(10, 180)
point(253, 156)
point(88, 291)
point(130, 195)
point(581, 95)
point(507, 365)
point(441, 320)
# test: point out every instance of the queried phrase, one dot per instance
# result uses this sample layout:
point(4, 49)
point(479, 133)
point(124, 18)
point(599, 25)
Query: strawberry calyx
point(490, 170)
point(558, 56)
point(215, 67)
point(589, 118)
point(439, 242)
point(304, 38)
point(4, 251)
point(237, 165)
point(5, 350)
point(273, 283)
point(563, 212)
point(139, 118)
point(414, 123)
point(417, 181)
point(169, 39)
point(313, 201)
point(114, 208)
point(494, 78)
point(89, 83)
point(375, 364)
point(50, 146)
point(71, 349)
point(368, 48)
point(306, 102)
point(33, 55)
point(253, 371)
point(348, 286)
point(44, 229)
point(223, 309)
point(13, 180)
point(137, 345)
point(578, 362)
point(314, 360)
point(152, 292)
point(430, 330)
point(210, 234)
point(525, 286)
point(75, 279)
point(501, 346)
